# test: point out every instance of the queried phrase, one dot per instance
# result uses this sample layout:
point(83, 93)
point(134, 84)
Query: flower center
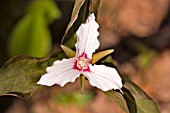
point(82, 63)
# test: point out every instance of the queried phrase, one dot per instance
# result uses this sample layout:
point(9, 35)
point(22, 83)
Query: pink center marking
point(82, 63)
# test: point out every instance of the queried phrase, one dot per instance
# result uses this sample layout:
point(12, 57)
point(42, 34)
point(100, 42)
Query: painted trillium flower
point(67, 70)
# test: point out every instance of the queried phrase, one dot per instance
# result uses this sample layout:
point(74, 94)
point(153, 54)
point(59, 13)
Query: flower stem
point(82, 79)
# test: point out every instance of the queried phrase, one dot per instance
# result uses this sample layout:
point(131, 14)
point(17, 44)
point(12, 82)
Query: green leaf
point(31, 34)
point(20, 74)
point(79, 16)
point(118, 99)
point(143, 103)
point(81, 11)
point(130, 101)
point(78, 4)
point(136, 99)
point(47, 8)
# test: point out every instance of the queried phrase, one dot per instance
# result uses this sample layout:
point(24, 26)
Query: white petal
point(104, 78)
point(87, 34)
point(61, 72)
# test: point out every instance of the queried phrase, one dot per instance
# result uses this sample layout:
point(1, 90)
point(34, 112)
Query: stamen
point(82, 63)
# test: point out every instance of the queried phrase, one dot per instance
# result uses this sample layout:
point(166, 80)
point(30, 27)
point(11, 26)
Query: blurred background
point(139, 31)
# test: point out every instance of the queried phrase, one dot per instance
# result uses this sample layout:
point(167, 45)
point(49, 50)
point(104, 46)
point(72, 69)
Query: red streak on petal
point(83, 55)
point(87, 69)
point(75, 66)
